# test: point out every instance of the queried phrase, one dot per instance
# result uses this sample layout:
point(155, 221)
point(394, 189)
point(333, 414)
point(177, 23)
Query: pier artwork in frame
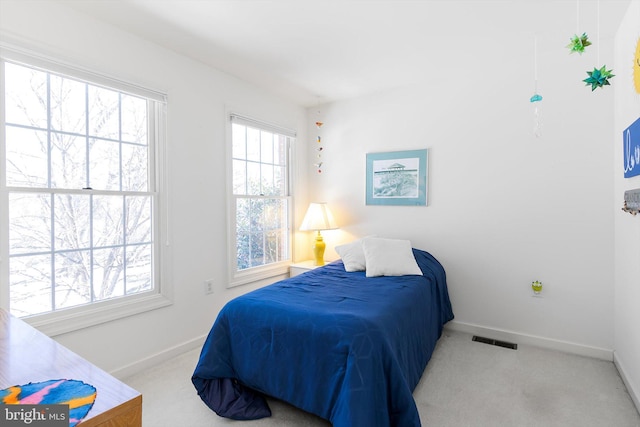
point(397, 178)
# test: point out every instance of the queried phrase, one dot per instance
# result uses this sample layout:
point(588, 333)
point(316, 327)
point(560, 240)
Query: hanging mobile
point(319, 149)
point(536, 97)
point(599, 77)
point(578, 43)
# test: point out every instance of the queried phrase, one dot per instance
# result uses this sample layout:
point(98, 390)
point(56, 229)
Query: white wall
point(505, 208)
point(198, 97)
point(627, 227)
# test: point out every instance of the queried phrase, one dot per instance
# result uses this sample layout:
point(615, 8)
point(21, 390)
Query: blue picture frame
point(397, 178)
point(631, 149)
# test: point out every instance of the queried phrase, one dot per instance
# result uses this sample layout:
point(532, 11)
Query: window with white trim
point(260, 219)
point(80, 182)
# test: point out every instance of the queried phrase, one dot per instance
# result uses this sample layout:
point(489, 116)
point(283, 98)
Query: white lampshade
point(318, 217)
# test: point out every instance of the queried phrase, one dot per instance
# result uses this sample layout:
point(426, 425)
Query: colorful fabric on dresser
point(78, 395)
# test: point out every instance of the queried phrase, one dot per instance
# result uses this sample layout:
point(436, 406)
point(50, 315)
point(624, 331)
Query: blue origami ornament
point(598, 77)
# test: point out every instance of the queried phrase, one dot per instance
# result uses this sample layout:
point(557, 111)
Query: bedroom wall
point(505, 208)
point(627, 227)
point(198, 97)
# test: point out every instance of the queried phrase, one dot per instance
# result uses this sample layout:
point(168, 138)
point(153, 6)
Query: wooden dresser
point(27, 355)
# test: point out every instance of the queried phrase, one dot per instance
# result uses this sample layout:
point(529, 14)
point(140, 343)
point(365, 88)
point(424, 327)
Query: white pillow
point(389, 257)
point(352, 256)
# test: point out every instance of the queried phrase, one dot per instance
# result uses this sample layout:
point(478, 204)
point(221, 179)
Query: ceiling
point(313, 52)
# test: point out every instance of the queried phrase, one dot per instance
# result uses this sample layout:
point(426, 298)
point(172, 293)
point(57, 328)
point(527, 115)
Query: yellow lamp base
point(318, 249)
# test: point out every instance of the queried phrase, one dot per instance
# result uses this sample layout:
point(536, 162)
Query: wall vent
point(499, 343)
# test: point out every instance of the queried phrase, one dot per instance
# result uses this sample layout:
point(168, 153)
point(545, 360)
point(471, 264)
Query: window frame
point(78, 317)
point(253, 274)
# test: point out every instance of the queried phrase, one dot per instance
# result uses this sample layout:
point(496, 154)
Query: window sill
point(259, 273)
point(64, 321)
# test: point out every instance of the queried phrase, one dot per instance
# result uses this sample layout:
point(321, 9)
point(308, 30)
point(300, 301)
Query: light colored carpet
point(465, 384)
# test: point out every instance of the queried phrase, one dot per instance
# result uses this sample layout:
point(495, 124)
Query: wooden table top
point(27, 355)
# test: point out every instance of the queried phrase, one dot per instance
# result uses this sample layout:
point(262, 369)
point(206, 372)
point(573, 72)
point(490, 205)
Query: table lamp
point(317, 218)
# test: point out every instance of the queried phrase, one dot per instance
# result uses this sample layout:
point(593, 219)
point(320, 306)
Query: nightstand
point(301, 267)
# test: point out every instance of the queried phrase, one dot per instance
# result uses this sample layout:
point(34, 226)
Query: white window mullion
point(125, 215)
point(120, 142)
point(51, 195)
point(92, 292)
point(52, 250)
point(87, 139)
point(49, 143)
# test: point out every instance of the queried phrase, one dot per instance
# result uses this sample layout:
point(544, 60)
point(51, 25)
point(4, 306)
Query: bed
point(341, 345)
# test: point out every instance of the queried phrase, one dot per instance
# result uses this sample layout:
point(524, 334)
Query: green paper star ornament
point(598, 77)
point(578, 43)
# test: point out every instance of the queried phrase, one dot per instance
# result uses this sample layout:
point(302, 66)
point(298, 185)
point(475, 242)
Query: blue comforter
point(345, 347)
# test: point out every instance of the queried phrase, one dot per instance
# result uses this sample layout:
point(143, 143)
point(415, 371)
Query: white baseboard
point(635, 396)
point(158, 358)
point(519, 338)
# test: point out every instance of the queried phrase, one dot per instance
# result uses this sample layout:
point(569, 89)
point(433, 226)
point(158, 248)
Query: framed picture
point(397, 178)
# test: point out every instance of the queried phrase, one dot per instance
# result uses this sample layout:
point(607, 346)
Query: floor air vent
point(499, 343)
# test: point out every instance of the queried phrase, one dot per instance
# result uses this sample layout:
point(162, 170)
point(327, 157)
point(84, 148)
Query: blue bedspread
point(345, 347)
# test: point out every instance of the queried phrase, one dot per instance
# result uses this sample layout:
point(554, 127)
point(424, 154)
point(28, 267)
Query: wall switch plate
point(208, 287)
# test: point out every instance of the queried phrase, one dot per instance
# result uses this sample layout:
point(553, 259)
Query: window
point(81, 187)
point(260, 220)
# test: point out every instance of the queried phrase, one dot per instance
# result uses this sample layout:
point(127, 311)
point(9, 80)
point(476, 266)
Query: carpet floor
point(466, 383)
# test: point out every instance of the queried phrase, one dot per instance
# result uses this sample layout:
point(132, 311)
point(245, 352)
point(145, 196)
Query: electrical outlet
point(208, 287)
